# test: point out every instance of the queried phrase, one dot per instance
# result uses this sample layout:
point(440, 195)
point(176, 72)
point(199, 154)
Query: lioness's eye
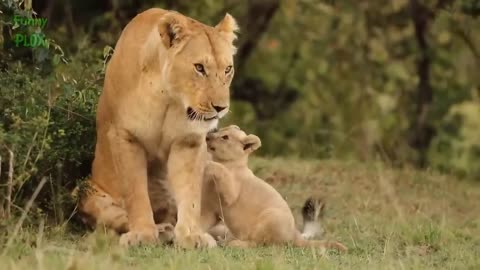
point(199, 68)
point(225, 137)
point(228, 69)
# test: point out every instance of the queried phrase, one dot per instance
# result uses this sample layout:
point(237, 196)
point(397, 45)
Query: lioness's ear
point(251, 143)
point(172, 28)
point(228, 27)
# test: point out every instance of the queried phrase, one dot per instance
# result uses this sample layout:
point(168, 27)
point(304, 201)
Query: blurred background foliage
point(396, 81)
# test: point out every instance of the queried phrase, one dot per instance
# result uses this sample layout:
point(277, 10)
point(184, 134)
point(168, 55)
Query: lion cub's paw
point(139, 237)
point(209, 240)
point(202, 240)
point(165, 233)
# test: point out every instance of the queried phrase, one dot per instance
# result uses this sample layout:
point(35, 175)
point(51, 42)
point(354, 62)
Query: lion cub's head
point(199, 65)
point(231, 144)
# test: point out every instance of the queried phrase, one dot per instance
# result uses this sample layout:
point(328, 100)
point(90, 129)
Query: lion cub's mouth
point(196, 116)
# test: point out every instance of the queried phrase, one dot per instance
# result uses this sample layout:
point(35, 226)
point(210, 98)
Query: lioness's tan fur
point(254, 212)
point(153, 115)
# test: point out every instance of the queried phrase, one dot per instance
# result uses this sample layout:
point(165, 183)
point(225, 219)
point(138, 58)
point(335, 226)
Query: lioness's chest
point(171, 126)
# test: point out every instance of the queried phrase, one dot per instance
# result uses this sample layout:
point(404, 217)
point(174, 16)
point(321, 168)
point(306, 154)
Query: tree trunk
point(265, 102)
point(259, 15)
point(421, 130)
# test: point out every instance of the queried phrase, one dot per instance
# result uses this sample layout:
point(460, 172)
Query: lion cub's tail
point(313, 211)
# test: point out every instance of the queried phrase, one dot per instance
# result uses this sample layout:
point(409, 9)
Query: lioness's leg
point(185, 172)
point(131, 168)
point(163, 207)
point(224, 183)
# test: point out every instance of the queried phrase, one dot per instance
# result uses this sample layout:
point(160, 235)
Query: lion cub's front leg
point(225, 184)
point(185, 169)
point(131, 168)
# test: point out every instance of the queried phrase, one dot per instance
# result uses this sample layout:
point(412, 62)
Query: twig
point(74, 211)
point(41, 229)
point(27, 157)
point(222, 216)
point(44, 140)
point(52, 190)
point(2, 198)
point(58, 197)
point(27, 207)
point(9, 184)
point(468, 41)
point(72, 112)
point(42, 146)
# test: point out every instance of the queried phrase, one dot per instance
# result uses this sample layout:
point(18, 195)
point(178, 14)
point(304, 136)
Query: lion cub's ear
point(251, 143)
point(228, 27)
point(172, 28)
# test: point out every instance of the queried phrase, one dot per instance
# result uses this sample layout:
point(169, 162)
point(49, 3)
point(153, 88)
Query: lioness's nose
point(218, 108)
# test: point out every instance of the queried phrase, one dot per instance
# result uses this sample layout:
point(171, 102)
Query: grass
point(390, 219)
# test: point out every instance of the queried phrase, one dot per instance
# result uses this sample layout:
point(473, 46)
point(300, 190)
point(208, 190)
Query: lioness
point(254, 212)
point(166, 85)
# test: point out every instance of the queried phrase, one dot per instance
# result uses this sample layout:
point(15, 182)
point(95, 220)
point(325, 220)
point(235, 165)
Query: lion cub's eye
point(228, 69)
point(199, 68)
point(225, 137)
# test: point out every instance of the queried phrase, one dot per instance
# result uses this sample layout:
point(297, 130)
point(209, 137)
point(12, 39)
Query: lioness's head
point(231, 144)
point(199, 65)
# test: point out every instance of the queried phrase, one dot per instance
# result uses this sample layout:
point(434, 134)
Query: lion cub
point(254, 212)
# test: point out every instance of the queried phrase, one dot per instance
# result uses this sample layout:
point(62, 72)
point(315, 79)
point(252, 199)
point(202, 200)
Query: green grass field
point(389, 219)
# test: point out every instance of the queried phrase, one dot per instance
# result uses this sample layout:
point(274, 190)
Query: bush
point(47, 112)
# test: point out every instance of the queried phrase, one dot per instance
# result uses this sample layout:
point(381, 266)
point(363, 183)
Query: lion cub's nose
point(218, 108)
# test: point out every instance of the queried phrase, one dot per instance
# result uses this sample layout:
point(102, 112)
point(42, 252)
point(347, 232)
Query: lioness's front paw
point(137, 237)
point(195, 240)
